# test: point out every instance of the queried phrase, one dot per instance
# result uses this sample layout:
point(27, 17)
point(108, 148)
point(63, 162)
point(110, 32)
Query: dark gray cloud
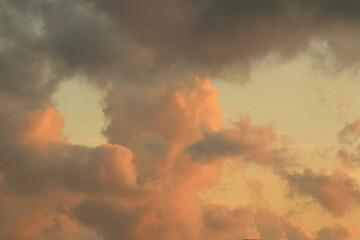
point(247, 141)
point(45, 42)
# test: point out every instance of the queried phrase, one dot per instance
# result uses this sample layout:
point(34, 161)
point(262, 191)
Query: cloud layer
point(166, 140)
point(46, 42)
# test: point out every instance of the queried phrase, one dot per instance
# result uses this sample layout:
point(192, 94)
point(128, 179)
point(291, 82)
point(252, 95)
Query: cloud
point(222, 222)
point(336, 192)
point(148, 192)
point(41, 127)
point(254, 143)
point(46, 42)
point(336, 232)
point(275, 227)
point(345, 158)
point(103, 192)
point(142, 185)
point(350, 132)
point(38, 159)
point(37, 219)
point(214, 34)
point(37, 165)
point(42, 177)
point(110, 222)
point(349, 157)
point(177, 113)
point(106, 169)
point(348, 152)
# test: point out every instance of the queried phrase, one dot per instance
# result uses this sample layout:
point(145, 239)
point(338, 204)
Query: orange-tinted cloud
point(336, 192)
point(147, 190)
point(178, 113)
point(158, 123)
point(42, 127)
point(223, 222)
point(104, 191)
point(272, 226)
point(104, 180)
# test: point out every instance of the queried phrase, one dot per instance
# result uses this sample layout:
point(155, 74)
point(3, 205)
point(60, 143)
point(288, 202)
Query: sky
point(179, 119)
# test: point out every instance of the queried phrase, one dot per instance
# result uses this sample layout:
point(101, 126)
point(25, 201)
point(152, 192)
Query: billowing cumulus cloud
point(40, 160)
point(158, 124)
point(336, 192)
point(104, 192)
point(101, 188)
point(41, 127)
point(186, 108)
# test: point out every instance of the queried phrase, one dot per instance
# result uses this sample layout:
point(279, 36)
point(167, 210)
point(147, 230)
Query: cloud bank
point(166, 140)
